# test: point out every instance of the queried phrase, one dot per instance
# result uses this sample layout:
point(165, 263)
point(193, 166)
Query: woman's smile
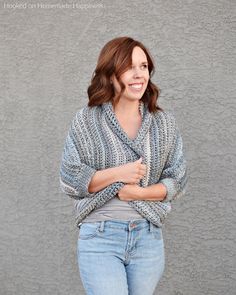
point(136, 86)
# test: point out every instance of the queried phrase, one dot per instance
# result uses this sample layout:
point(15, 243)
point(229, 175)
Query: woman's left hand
point(130, 192)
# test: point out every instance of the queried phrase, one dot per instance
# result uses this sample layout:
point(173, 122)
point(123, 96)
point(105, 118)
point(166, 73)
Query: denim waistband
point(124, 224)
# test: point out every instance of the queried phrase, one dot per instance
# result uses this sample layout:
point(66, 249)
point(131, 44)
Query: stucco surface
point(47, 56)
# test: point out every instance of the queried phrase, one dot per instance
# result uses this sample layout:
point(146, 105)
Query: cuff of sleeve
point(170, 187)
point(84, 181)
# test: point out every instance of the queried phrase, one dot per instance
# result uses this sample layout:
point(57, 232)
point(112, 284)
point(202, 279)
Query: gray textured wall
point(47, 56)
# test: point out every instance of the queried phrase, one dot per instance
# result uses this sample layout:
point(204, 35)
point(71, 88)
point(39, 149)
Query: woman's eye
point(144, 67)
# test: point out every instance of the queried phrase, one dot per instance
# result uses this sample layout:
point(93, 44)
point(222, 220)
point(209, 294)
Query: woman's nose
point(137, 72)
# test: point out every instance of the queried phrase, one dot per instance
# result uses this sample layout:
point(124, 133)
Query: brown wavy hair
point(116, 58)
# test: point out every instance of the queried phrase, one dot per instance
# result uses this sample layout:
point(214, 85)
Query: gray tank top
point(113, 209)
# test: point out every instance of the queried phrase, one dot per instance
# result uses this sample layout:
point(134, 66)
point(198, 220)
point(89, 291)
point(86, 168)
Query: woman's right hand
point(131, 172)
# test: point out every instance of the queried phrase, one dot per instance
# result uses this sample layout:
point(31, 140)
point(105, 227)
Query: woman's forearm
point(101, 179)
point(154, 192)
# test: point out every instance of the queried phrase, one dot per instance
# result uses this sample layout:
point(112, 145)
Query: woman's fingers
point(143, 169)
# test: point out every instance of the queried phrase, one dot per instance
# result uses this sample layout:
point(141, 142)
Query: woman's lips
point(136, 87)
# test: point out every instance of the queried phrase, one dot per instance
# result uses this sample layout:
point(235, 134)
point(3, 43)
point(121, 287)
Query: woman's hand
point(130, 192)
point(130, 173)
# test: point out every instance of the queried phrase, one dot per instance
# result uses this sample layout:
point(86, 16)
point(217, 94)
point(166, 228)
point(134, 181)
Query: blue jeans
point(118, 257)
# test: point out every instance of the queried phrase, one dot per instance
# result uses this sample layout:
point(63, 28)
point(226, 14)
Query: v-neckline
point(140, 107)
point(116, 127)
point(136, 124)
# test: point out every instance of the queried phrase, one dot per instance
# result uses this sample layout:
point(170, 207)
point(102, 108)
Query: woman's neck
point(127, 108)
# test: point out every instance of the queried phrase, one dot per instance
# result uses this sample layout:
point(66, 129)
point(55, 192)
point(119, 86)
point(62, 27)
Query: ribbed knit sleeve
point(75, 175)
point(174, 175)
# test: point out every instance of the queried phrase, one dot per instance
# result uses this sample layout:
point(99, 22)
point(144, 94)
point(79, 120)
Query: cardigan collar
point(136, 143)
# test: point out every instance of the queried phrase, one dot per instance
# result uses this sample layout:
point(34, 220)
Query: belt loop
point(101, 226)
point(150, 226)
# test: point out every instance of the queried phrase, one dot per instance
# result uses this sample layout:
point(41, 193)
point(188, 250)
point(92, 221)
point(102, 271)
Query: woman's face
point(136, 78)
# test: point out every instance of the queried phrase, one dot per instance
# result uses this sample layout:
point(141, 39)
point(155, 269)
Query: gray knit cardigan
point(96, 141)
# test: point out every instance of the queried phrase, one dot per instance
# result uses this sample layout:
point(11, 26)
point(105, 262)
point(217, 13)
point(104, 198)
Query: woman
point(123, 163)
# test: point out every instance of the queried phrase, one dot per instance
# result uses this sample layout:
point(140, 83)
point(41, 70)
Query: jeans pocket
point(88, 231)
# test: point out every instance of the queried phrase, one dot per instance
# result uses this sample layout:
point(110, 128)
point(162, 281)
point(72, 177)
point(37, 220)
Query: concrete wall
point(47, 56)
